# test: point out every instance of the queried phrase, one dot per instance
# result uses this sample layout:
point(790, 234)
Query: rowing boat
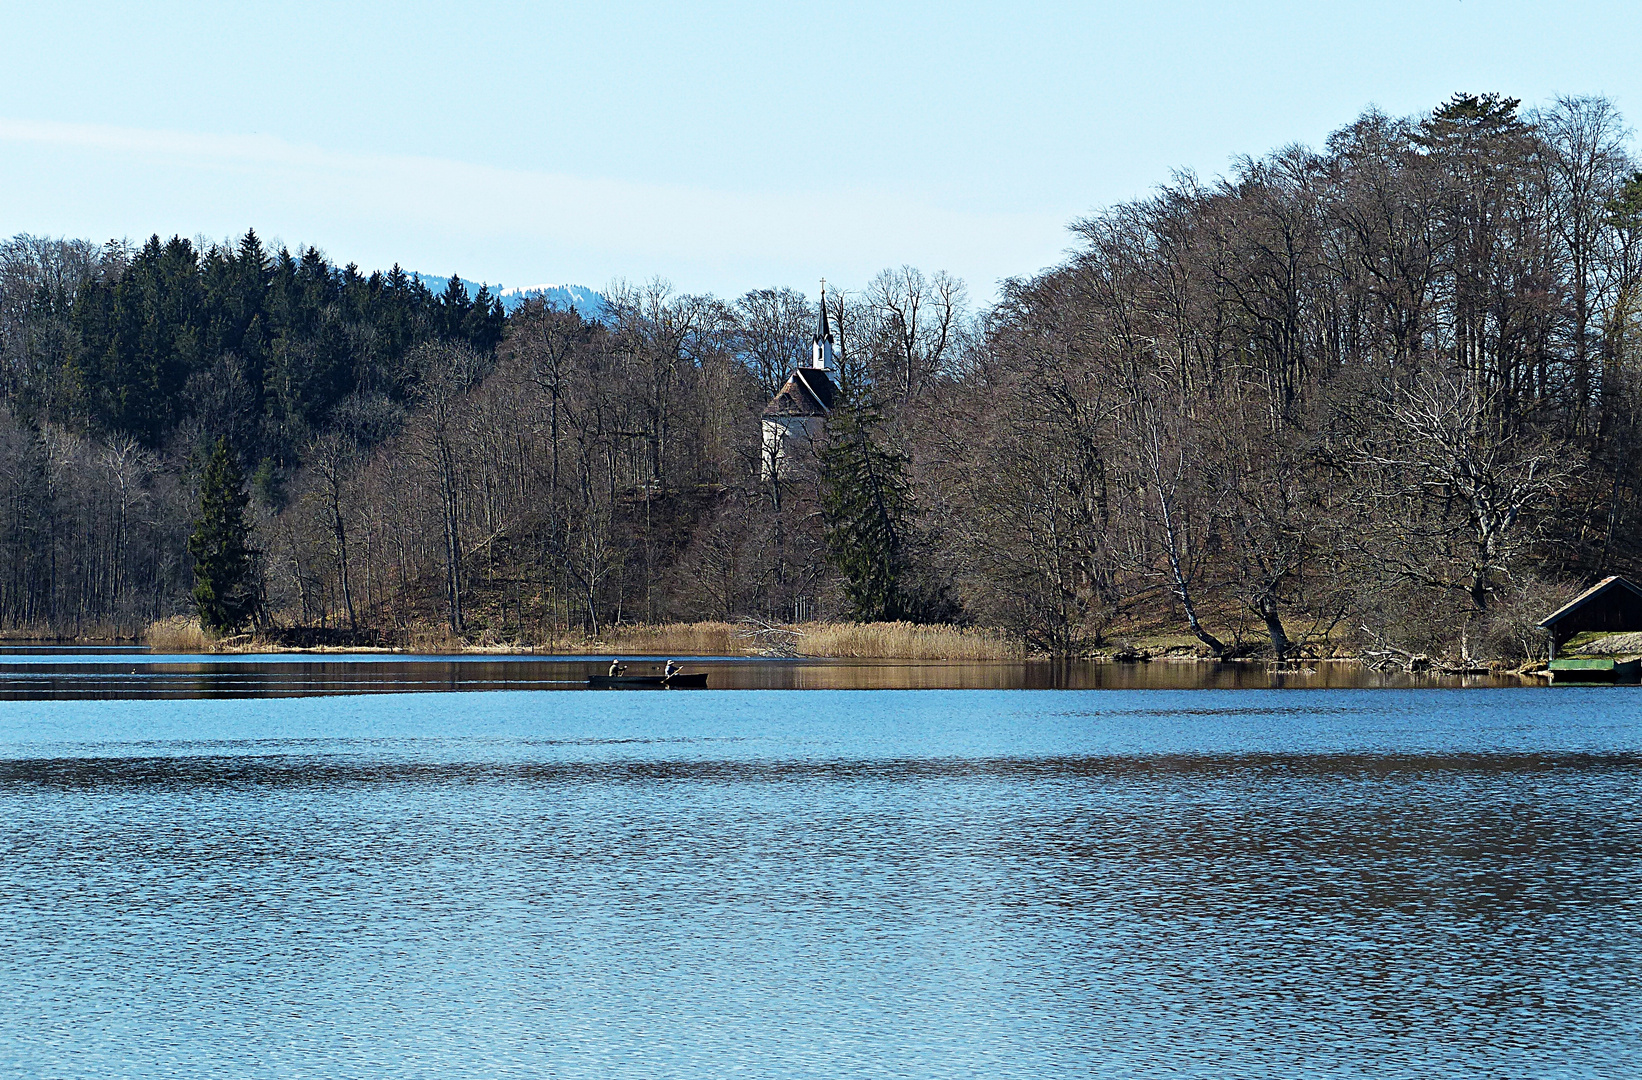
point(696, 680)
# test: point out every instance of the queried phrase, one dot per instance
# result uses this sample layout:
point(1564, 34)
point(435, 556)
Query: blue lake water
point(51, 673)
point(912, 883)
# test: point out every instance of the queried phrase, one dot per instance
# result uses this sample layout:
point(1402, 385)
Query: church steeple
point(798, 413)
point(821, 348)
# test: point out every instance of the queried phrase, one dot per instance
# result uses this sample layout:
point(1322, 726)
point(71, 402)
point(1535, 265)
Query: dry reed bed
point(875, 641)
point(676, 639)
point(906, 641)
point(97, 633)
point(183, 634)
point(178, 634)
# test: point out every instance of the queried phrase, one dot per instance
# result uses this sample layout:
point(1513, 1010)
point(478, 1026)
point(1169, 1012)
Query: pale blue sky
point(723, 146)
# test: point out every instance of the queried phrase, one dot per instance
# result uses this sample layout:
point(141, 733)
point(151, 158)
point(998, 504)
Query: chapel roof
point(807, 392)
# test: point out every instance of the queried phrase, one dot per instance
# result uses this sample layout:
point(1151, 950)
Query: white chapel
point(794, 417)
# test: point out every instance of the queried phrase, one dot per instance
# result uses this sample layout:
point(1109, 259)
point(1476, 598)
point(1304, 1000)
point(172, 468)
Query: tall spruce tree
point(225, 571)
point(864, 504)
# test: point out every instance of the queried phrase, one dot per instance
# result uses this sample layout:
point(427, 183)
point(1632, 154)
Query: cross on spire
point(821, 353)
point(822, 333)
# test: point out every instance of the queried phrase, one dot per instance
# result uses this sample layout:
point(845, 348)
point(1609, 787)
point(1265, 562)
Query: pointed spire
point(821, 350)
point(821, 331)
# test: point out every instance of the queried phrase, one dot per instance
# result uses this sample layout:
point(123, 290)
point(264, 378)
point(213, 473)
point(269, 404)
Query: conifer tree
point(864, 503)
point(225, 571)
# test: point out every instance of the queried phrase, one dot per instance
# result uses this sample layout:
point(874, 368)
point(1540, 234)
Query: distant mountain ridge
point(588, 303)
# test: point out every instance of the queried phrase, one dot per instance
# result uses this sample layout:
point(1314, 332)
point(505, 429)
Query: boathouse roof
point(1603, 593)
point(808, 392)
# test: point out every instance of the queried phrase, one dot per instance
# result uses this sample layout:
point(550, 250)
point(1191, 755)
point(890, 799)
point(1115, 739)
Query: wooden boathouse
point(1611, 606)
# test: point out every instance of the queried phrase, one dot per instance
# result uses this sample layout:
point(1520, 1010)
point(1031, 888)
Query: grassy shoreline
point(874, 641)
point(897, 641)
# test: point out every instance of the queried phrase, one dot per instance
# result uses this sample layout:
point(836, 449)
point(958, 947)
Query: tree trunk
point(1181, 589)
point(1270, 612)
point(341, 533)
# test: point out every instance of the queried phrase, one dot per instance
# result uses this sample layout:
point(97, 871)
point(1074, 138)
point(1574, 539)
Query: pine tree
point(225, 571)
point(454, 306)
point(864, 504)
point(150, 343)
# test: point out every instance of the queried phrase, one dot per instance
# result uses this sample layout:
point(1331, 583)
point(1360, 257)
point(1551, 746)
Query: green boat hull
point(694, 681)
point(1595, 670)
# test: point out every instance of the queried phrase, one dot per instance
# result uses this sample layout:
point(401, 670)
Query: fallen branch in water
point(768, 639)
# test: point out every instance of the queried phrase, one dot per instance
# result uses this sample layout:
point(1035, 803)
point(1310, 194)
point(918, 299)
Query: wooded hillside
point(1382, 394)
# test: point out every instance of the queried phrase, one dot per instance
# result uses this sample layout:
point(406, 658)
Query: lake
point(92, 673)
point(856, 883)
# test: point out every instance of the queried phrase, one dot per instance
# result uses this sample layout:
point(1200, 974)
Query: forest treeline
point(1378, 396)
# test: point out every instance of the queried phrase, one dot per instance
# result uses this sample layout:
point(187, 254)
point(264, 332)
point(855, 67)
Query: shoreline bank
point(753, 639)
point(889, 642)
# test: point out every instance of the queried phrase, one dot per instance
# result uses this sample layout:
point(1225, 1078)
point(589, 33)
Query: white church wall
point(786, 437)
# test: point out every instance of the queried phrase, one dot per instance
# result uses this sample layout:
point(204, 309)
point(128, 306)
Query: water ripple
point(699, 894)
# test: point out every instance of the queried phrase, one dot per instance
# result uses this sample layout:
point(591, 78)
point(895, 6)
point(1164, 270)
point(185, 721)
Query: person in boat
point(617, 669)
point(671, 669)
